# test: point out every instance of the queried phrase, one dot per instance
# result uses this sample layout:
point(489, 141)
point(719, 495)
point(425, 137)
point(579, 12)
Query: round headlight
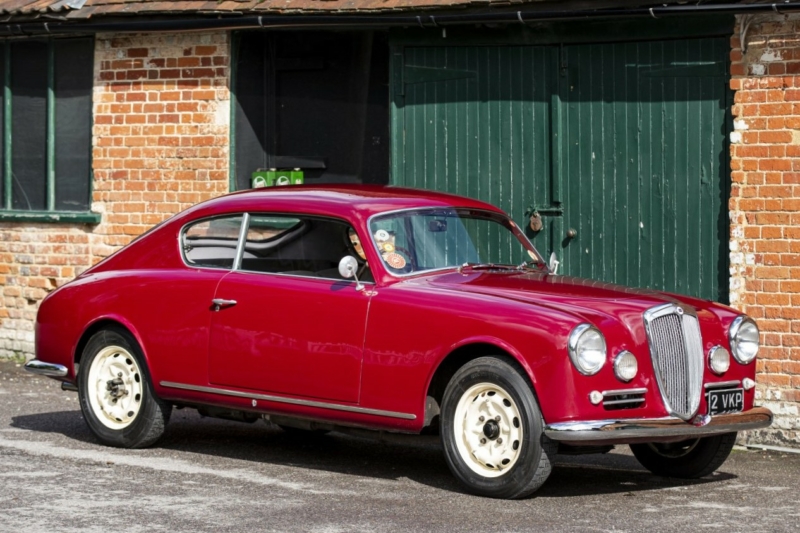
point(744, 339)
point(719, 360)
point(587, 349)
point(625, 366)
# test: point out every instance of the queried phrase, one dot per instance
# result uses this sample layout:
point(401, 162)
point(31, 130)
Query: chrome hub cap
point(115, 387)
point(488, 430)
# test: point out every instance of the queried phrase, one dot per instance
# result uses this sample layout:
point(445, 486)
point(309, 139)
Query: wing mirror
point(348, 268)
point(552, 265)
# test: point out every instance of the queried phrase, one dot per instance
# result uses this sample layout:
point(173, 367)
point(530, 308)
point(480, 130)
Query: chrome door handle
point(219, 303)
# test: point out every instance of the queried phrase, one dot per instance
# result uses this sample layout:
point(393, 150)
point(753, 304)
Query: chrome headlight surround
point(719, 360)
point(587, 349)
point(625, 366)
point(744, 339)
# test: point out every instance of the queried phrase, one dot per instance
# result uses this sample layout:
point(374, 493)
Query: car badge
point(679, 311)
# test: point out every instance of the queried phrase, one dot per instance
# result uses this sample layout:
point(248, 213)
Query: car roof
point(345, 200)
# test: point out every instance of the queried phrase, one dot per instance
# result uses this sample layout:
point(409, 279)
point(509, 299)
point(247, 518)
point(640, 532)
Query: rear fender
point(110, 320)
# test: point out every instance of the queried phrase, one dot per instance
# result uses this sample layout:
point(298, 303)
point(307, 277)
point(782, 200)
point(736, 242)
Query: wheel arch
point(462, 354)
point(99, 324)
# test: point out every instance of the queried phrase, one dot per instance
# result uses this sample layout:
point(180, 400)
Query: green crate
point(272, 177)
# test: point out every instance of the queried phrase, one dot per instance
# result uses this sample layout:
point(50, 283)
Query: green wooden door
point(645, 164)
point(623, 143)
point(476, 121)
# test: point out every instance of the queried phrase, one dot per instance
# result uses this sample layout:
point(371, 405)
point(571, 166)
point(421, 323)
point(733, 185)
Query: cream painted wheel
point(115, 387)
point(492, 429)
point(488, 429)
point(116, 393)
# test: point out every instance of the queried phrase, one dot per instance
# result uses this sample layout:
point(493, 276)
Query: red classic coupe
point(354, 308)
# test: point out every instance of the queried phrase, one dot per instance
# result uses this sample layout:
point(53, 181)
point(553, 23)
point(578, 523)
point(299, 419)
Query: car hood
point(591, 300)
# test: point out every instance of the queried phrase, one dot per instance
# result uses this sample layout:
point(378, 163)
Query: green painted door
point(623, 143)
point(476, 121)
point(646, 164)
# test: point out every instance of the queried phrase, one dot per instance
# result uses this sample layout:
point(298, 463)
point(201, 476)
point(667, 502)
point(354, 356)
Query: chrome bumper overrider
point(655, 429)
point(46, 369)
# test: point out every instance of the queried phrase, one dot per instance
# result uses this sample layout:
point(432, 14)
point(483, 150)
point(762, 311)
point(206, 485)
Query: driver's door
point(296, 327)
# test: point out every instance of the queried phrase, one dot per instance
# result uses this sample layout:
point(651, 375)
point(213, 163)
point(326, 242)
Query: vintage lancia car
point(355, 308)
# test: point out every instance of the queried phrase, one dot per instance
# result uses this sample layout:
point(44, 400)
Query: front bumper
point(631, 431)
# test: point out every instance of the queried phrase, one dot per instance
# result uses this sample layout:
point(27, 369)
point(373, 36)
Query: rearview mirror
point(348, 268)
point(436, 226)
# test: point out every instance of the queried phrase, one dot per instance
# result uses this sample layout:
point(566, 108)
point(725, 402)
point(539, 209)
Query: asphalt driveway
point(213, 475)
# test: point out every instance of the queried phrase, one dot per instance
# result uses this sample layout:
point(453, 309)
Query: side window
point(299, 246)
point(212, 242)
point(263, 229)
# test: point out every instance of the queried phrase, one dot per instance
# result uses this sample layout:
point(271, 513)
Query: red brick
point(189, 62)
point(775, 109)
point(775, 164)
point(775, 137)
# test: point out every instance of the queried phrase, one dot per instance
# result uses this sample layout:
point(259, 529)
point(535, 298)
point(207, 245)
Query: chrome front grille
point(677, 352)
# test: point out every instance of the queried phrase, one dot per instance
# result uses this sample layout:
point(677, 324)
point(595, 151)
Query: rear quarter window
point(211, 242)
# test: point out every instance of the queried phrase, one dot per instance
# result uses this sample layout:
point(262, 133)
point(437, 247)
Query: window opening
point(46, 115)
point(315, 101)
point(212, 242)
point(300, 246)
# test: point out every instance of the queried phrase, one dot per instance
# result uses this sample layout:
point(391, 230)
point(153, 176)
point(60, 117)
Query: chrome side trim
point(654, 429)
point(243, 229)
point(723, 384)
point(292, 401)
point(46, 369)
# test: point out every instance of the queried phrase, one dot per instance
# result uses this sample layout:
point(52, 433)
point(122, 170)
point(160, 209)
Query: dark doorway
point(315, 101)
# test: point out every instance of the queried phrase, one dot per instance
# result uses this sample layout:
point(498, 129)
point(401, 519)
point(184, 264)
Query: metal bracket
point(547, 211)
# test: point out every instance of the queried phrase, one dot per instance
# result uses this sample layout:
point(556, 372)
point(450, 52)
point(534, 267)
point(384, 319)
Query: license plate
point(725, 401)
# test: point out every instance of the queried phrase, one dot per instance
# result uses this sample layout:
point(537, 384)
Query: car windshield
point(435, 239)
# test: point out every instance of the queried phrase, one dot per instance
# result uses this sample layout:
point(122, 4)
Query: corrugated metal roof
point(82, 9)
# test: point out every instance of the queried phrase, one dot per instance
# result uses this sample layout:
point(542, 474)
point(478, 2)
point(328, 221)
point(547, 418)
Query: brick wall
point(160, 144)
point(34, 259)
point(765, 210)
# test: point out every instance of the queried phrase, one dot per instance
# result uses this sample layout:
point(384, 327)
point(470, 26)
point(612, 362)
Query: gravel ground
point(214, 475)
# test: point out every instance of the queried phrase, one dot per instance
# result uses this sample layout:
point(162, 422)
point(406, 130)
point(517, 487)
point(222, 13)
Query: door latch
point(219, 303)
point(535, 214)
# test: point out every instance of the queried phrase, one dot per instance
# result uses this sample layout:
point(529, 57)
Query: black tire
point(687, 459)
point(146, 414)
point(529, 459)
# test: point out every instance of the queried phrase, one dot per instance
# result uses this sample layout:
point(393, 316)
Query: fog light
point(595, 397)
point(719, 360)
point(625, 366)
point(748, 383)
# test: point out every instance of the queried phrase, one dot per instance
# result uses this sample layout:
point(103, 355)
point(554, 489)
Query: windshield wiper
point(540, 265)
point(488, 266)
